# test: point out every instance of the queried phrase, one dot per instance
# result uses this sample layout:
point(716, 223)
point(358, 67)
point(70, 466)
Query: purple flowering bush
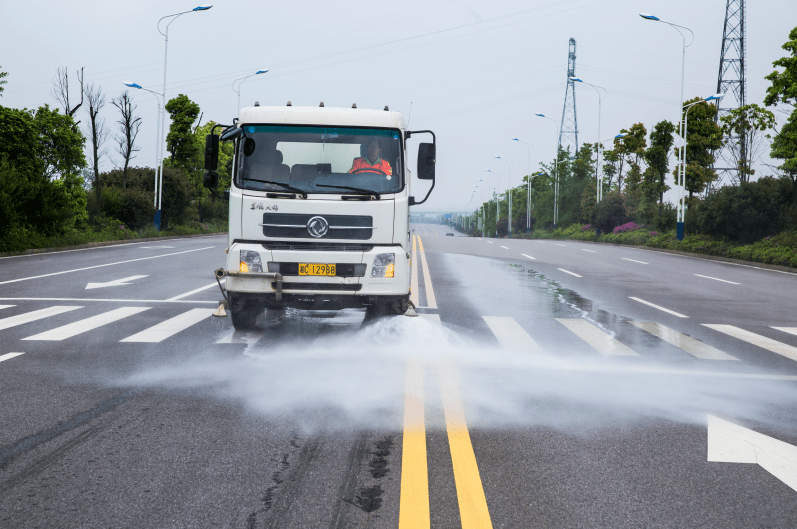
point(628, 226)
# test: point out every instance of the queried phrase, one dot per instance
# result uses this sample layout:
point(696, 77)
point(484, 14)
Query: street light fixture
point(508, 193)
point(242, 79)
point(598, 147)
point(647, 16)
point(556, 178)
point(529, 147)
point(158, 144)
point(175, 16)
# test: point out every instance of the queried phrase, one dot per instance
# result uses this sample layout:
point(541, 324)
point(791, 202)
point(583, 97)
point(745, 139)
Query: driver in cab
point(372, 163)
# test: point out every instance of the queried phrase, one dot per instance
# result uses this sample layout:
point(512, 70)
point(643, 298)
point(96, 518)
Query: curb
point(779, 268)
point(35, 251)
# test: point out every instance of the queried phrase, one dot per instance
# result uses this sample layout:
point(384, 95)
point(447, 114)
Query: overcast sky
point(475, 71)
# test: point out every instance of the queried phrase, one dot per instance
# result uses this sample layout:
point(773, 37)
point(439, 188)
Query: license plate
point(310, 269)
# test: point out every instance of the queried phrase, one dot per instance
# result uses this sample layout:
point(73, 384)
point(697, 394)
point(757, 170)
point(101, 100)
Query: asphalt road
point(545, 384)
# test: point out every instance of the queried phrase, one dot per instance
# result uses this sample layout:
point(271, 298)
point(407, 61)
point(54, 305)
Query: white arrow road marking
point(9, 356)
point(731, 443)
point(114, 283)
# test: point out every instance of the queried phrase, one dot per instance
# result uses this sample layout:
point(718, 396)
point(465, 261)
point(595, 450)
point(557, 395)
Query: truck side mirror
point(211, 177)
point(426, 161)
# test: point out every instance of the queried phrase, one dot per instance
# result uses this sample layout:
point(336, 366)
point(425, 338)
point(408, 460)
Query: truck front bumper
point(267, 282)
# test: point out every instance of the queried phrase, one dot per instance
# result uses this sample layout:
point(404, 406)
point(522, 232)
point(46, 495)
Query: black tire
point(245, 318)
point(393, 307)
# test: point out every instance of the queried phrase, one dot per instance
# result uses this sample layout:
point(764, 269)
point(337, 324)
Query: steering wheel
point(368, 170)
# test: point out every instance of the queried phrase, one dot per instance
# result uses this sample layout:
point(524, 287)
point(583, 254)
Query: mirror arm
point(411, 132)
point(412, 199)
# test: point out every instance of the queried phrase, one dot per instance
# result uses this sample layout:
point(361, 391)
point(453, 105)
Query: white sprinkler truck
point(319, 210)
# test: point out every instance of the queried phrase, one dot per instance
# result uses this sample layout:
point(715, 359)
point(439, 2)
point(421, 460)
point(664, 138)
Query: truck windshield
point(313, 159)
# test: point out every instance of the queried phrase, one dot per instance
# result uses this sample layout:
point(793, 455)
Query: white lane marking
point(585, 250)
point(478, 239)
point(557, 244)
point(28, 317)
point(6, 306)
point(106, 299)
point(489, 242)
point(604, 342)
point(114, 283)
point(717, 279)
point(431, 318)
point(756, 339)
point(79, 327)
point(247, 337)
point(530, 257)
point(103, 265)
point(686, 343)
point(504, 247)
point(181, 296)
point(790, 330)
point(566, 272)
point(511, 335)
point(668, 311)
point(9, 356)
point(415, 290)
point(156, 247)
point(731, 443)
point(633, 260)
point(165, 329)
point(431, 302)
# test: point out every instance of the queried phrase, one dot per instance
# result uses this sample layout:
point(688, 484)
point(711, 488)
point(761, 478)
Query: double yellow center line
point(414, 503)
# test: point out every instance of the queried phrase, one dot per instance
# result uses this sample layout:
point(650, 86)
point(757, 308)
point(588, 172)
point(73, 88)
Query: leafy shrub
point(609, 212)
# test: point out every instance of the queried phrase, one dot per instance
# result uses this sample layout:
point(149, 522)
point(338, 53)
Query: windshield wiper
point(360, 190)
point(286, 186)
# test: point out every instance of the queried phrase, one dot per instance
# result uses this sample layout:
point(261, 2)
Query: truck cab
point(319, 210)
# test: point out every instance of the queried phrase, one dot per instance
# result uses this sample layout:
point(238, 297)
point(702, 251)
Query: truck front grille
point(318, 246)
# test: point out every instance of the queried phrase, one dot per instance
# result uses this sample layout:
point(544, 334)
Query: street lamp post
point(173, 17)
point(556, 177)
point(242, 79)
point(131, 84)
point(646, 16)
point(529, 147)
point(497, 200)
point(508, 194)
point(600, 99)
point(682, 164)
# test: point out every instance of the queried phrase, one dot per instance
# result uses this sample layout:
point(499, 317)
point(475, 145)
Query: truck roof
point(339, 117)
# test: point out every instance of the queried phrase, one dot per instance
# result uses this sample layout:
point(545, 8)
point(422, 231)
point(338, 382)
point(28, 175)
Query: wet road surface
point(545, 384)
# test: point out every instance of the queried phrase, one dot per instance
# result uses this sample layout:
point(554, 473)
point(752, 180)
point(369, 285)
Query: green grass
point(780, 249)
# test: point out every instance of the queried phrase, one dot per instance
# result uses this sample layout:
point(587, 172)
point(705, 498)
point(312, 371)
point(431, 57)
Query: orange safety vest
point(362, 165)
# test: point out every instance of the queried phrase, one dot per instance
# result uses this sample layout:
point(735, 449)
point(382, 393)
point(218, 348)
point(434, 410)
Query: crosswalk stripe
point(158, 333)
point(600, 340)
point(790, 330)
point(28, 317)
point(756, 339)
point(79, 327)
point(242, 337)
point(6, 306)
point(9, 356)
point(686, 343)
point(511, 335)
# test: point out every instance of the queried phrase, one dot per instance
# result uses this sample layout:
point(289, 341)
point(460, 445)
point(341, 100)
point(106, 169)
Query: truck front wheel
point(245, 317)
point(393, 307)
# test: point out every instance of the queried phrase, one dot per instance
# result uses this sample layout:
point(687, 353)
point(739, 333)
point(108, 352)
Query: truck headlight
point(250, 261)
point(384, 265)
